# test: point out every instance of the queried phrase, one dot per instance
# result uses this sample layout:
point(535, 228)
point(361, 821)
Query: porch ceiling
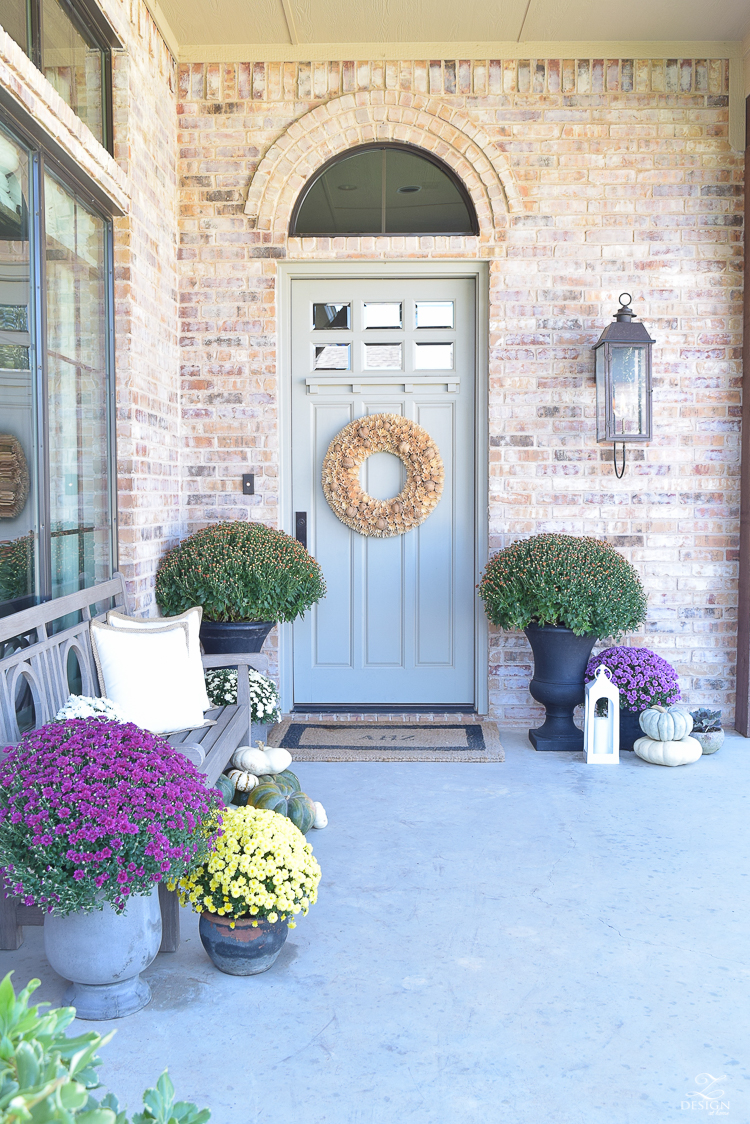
point(317, 23)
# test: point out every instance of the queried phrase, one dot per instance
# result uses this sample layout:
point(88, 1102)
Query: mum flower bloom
point(120, 808)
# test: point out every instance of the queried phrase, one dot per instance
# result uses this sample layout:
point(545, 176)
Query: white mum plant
point(264, 695)
point(83, 706)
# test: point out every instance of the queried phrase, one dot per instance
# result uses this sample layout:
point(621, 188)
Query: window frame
point(41, 159)
point(91, 21)
point(398, 146)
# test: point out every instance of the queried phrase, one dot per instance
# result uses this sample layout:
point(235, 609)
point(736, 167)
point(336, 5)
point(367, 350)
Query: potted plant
point(644, 680)
point(246, 576)
point(565, 592)
point(261, 873)
point(93, 815)
point(707, 729)
point(265, 710)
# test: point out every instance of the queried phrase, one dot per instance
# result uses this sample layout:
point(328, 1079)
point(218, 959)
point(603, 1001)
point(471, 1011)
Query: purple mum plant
point(94, 811)
point(644, 679)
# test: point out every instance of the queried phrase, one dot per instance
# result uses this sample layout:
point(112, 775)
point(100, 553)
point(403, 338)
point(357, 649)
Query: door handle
point(300, 527)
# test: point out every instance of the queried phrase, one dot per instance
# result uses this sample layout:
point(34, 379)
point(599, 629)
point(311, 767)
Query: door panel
point(397, 625)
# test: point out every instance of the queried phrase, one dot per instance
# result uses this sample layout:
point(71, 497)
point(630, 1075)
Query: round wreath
point(382, 433)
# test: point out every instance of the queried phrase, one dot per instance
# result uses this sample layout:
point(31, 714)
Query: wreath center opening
point(387, 475)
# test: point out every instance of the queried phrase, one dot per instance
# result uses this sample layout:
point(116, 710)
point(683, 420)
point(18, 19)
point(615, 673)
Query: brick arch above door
point(363, 118)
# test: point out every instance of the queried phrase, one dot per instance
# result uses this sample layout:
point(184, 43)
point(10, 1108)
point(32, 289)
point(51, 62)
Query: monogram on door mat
point(386, 741)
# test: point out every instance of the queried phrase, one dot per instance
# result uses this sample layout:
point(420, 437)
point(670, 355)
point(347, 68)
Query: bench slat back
point(42, 661)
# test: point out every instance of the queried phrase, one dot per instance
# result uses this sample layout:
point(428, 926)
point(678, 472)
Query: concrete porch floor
point(527, 942)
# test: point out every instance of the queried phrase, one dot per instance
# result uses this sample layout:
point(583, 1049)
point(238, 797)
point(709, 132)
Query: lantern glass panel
point(601, 395)
point(629, 367)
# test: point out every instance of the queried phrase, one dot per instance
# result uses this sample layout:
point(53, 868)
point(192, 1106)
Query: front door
point(397, 624)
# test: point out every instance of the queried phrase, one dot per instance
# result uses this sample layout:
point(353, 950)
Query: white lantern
point(601, 731)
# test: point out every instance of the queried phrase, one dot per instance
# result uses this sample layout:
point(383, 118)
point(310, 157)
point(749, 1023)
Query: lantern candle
point(601, 733)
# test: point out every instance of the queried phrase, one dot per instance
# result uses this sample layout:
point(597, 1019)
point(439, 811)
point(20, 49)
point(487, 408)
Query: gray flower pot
point(710, 741)
point(103, 953)
point(259, 733)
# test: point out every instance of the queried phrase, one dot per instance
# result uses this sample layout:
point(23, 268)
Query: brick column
point(742, 720)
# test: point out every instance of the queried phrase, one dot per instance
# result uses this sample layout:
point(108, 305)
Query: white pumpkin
point(666, 723)
point(243, 782)
point(682, 752)
point(321, 819)
point(278, 760)
point(251, 760)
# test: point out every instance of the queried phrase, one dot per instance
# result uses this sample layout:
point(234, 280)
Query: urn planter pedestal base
point(560, 659)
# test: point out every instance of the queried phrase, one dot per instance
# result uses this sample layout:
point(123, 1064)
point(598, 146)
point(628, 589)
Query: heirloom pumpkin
point(261, 762)
point(296, 806)
point(666, 723)
point(682, 752)
point(225, 786)
point(242, 780)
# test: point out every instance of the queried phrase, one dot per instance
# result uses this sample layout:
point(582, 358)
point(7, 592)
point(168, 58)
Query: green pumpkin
point(225, 786)
point(301, 811)
point(296, 806)
point(666, 723)
point(286, 781)
point(269, 796)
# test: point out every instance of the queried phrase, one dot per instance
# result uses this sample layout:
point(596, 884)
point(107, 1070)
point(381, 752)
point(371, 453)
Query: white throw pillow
point(192, 617)
point(147, 674)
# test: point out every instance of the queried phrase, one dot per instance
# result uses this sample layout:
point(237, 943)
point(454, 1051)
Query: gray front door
point(397, 624)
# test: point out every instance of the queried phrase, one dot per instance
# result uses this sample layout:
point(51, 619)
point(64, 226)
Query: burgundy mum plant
point(94, 811)
point(644, 679)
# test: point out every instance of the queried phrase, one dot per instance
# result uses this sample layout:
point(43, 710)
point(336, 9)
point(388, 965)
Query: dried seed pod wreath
point(382, 433)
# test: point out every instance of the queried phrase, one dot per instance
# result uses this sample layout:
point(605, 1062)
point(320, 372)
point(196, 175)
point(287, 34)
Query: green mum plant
point(580, 583)
point(47, 1077)
point(239, 572)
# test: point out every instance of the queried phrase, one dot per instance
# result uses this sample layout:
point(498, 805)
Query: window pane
point(628, 365)
point(433, 357)
point(328, 316)
point(18, 508)
point(72, 62)
point(433, 314)
point(381, 315)
point(346, 199)
point(383, 356)
point(14, 20)
point(332, 357)
point(78, 406)
point(420, 198)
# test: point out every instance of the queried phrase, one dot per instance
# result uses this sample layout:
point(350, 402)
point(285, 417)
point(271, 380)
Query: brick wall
point(147, 364)
point(590, 177)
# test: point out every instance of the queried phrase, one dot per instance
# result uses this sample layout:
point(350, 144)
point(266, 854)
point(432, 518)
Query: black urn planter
point(560, 659)
point(221, 638)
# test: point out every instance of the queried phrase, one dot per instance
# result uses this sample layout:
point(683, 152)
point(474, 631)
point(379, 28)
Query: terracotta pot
point(246, 949)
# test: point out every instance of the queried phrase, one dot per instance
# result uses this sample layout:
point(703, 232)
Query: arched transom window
point(384, 189)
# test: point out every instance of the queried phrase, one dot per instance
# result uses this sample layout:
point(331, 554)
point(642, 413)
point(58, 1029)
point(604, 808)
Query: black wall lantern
point(623, 381)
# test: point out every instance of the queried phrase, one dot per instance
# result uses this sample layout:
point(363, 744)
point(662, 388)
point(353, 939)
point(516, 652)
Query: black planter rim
point(533, 626)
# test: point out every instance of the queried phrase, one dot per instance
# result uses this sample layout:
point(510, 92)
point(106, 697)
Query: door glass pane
point(72, 62)
point(14, 21)
point(383, 356)
point(381, 315)
point(328, 316)
point(433, 314)
point(433, 357)
point(420, 198)
point(77, 371)
point(332, 357)
point(18, 508)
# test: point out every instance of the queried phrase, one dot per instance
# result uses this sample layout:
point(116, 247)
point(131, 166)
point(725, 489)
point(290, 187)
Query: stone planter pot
point(710, 741)
point(103, 953)
point(630, 728)
point(221, 638)
point(259, 733)
point(560, 659)
point(244, 950)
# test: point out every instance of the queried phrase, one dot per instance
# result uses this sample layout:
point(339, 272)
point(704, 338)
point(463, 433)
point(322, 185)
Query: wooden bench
point(45, 656)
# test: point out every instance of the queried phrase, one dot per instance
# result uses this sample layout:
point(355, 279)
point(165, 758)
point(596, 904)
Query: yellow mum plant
point(260, 866)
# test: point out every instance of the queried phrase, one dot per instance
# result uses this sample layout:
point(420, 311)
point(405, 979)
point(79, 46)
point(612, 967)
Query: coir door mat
point(388, 741)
